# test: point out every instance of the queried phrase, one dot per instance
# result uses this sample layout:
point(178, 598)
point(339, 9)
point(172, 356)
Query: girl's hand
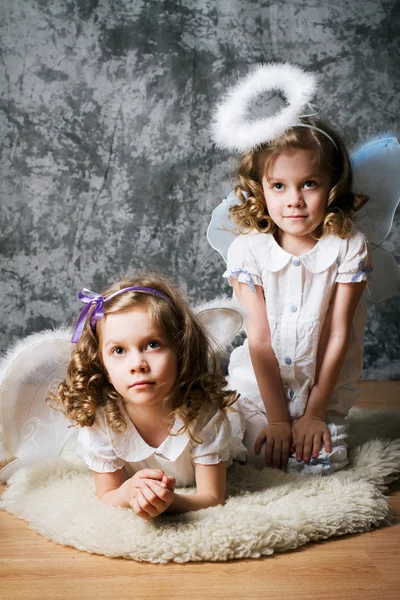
point(309, 434)
point(130, 488)
point(277, 437)
point(152, 499)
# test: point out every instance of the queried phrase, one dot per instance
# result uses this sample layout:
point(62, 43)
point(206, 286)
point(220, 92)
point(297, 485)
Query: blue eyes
point(151, 345)
point(308, 185)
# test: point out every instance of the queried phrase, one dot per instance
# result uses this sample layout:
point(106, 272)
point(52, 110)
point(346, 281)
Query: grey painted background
point(106, 160)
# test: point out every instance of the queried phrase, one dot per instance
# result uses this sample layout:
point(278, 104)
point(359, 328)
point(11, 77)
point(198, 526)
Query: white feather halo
point(231, 127)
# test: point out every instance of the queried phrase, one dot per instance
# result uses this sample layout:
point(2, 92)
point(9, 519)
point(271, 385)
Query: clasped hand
point(149, 492)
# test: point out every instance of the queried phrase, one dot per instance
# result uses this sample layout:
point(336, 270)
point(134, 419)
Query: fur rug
point(266, 512)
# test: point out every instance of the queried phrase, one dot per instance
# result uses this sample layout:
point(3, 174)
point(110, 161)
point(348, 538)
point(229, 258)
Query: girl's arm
point(311, 429)
point(211, 489)
point(277, 434)
point(150, 492)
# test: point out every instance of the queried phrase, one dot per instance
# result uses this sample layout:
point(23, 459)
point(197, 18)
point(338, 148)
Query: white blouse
point(106, 451)
point(298, 291)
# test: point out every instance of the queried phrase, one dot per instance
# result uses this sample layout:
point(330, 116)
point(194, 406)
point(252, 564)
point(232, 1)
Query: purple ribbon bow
point(92, 299)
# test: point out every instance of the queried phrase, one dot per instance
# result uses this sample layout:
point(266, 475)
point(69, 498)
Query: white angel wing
point(30, 428)
point(376, 168)
point(386, 277)
point(223, 318)
point(222, 230)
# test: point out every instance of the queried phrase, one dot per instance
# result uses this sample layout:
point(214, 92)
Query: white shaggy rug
point(266, 511)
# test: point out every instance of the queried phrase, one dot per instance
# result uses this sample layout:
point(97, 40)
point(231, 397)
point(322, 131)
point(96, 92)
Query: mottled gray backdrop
point(106, 160)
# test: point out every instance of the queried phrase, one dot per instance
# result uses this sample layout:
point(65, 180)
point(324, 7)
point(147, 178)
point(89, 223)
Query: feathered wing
point(30, 428)
point(222, 230)
point(223, 318)
point(376, 168)
point(385, 282)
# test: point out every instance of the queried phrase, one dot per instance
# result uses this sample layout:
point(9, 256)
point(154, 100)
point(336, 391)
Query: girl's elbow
point(112, 497)
point(215, 498)
point(104, 498)
point(218, 500)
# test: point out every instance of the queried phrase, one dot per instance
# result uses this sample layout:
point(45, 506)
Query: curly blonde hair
point(342, 204)
point(199, 386)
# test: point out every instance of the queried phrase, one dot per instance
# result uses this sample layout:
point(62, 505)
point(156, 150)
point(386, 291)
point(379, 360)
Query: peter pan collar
point(273, 258)
point(131, 447)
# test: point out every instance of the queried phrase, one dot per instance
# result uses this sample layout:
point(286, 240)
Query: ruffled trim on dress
point(102, 466)
point(243, 276)
point(363, 274)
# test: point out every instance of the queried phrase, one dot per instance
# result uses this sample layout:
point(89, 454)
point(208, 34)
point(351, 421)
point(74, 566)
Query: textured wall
point(107, 163)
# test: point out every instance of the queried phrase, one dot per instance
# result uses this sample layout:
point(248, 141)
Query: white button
point(293, 308)
point(296, 262)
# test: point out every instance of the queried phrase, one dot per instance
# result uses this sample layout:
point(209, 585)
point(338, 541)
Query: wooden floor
point(363, 567)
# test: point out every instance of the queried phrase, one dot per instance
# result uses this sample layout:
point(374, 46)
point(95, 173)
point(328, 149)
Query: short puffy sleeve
point(221, 440)
point(355, 263)
point(95, 448)
point(241, 263)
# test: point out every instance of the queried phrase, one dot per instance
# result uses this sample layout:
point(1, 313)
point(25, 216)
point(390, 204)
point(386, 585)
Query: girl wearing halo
point(299, 268)
point(145, 389)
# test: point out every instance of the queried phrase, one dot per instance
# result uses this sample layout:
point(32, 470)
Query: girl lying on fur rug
point(144, 386)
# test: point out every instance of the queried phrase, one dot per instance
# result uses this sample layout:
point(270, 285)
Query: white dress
point(106, 451)
point(298, 292)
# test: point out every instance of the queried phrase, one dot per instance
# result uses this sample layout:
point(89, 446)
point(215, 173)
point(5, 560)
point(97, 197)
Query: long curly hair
point(199, 386)
point(342, 204)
